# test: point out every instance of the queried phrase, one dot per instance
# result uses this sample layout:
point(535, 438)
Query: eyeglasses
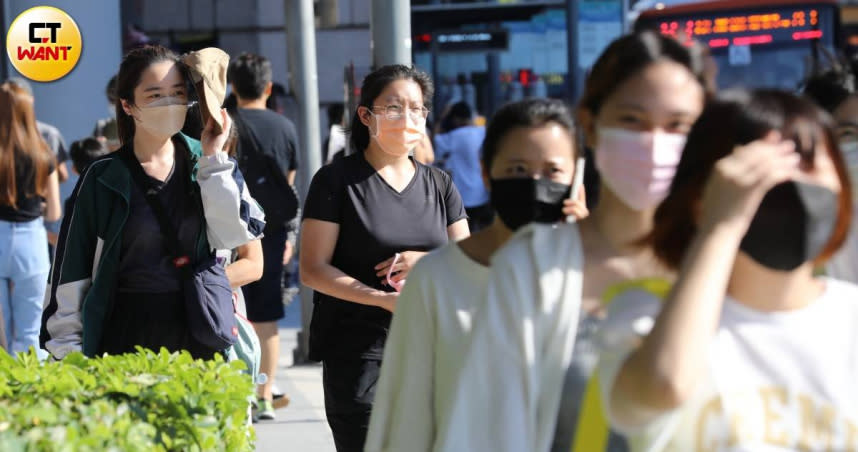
point(171, 100)
point(397, 112)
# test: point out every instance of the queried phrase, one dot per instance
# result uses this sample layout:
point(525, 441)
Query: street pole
point(390, 25)
point(495, 100)
point(572, 50)
point(329, 13)
point(6, 22)
point(301, 40)
point(625, 19)
point(436, 78)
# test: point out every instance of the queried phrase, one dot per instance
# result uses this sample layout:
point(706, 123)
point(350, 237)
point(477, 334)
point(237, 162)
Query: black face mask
point(521, 201)
point(793, 224)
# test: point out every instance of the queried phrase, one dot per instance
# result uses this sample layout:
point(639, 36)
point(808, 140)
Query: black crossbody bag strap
point(180, 258)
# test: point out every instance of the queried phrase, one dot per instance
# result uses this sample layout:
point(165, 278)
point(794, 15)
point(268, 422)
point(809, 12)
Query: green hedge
point(134, 402)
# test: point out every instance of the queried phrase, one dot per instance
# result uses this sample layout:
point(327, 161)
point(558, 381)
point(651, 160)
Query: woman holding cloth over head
point(751, 350)
point(117, 282)
point(528, 161)
point(368, 218)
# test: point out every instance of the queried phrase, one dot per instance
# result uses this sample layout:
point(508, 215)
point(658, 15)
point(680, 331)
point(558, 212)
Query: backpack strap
point(245, 130)
point(290, 194)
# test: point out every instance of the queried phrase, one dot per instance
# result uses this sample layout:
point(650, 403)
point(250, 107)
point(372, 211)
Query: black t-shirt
point(29, 205)
point(276, 135)
point(375, 223)
point(145, 262)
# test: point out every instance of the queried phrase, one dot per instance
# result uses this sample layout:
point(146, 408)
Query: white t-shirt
point(424, 350)
point(780, 381)
point(520, 347)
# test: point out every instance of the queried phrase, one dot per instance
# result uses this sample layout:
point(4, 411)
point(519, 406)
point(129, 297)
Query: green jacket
point(84, 272)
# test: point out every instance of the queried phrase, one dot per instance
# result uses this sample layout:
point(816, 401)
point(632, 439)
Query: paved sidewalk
point(301, 426)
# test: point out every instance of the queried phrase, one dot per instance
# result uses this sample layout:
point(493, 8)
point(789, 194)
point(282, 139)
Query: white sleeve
point(631, 316)
point(523, 334)
point(65, 326)
point(494, 387)
point(403, 410)
point(233, 217)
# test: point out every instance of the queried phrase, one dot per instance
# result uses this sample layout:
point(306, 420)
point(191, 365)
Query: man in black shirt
point(267, 156)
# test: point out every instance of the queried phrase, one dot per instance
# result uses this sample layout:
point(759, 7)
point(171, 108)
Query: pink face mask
point(394, 284)
point(638, 167)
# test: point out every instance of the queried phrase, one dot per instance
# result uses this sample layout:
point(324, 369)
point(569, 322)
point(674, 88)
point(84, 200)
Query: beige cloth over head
point(208, 71)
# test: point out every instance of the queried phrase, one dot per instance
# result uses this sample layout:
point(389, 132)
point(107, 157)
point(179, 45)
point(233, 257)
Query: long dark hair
point(628, 55)
point(130, 71)
point(739, 118)
point(20, 142)
point(373, 85)
point(533, 112)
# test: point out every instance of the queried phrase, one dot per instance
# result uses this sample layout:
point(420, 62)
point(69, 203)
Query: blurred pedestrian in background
point(457, 149)
point(57, 144)
point(334, 145)
point(83, 152)
point(49, 133)
point(267, 153)
point(29, 196)
point(105, 128)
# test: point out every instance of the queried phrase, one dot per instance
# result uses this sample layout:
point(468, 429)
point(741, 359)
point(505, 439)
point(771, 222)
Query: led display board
point(745, 26)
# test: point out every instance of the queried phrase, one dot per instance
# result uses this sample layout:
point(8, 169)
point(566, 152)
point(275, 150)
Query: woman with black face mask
point(750, 350)
point(528, 165)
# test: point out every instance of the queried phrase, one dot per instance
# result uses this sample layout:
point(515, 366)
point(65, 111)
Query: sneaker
point(280, 401)
point(265, 410)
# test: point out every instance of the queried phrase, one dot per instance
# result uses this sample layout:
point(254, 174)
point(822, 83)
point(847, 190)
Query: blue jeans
point(24, 267)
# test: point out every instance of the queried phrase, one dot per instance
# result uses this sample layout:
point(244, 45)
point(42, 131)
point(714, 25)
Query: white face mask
point(162, 118)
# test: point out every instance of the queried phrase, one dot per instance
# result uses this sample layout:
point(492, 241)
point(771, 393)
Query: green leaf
point(143, 401)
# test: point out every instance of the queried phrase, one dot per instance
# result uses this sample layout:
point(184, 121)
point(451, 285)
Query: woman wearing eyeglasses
point(368, 218)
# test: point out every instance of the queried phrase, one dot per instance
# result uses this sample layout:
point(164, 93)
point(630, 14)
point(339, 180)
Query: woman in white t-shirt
point(750, 351)
point(528, 164)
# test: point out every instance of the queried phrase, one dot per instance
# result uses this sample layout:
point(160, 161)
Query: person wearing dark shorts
point(368, 218)
point(267, 155)
point(264, 303)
